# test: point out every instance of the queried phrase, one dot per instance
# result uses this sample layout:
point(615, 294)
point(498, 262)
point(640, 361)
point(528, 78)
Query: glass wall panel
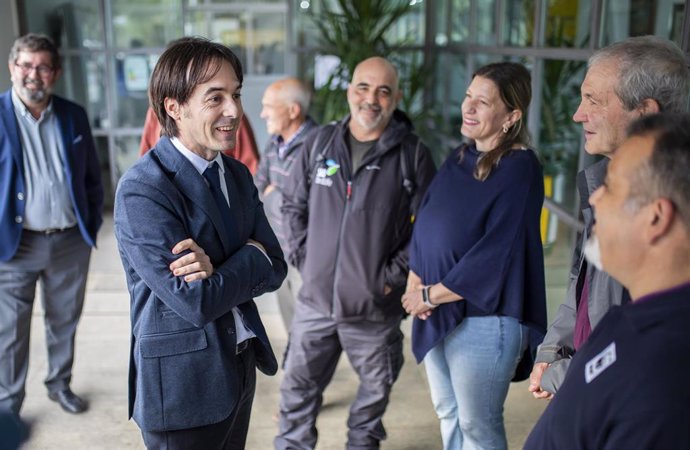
point(567, 23)
point(131, 79)
point(145, 23)
point(485, 22)
point(518, 22)
point(457, 20)
point(559, 135)
point(304, 31)
point(83, 81)
point(625, 18)
point(230, 28)
point(125, 152)
point(411, 27)
point(257, 38)
point(71, 24)
point(449, 84)
point(268, 41)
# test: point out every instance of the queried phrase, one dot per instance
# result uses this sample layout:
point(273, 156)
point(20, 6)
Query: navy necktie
point(212, 175)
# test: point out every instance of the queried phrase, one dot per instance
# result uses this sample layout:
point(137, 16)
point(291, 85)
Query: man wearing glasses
point(51, 200)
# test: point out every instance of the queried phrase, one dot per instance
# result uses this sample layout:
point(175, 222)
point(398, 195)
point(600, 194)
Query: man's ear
point(294, 111)
point(172, 107)
point(661, 219)
point(648, 106)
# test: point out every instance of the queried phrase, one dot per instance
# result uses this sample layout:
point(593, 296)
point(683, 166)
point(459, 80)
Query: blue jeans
point(469, 374)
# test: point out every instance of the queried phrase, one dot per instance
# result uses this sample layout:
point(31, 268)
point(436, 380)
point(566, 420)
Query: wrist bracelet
point(425, 297)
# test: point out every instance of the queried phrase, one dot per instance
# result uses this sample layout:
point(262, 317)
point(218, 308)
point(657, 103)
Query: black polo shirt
point(628, 387)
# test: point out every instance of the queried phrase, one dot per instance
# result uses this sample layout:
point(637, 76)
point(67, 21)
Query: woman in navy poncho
point(476, 283)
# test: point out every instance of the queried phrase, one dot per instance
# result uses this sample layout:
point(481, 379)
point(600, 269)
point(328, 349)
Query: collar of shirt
point(283, 146)
point(21, 109)
point(199, 163)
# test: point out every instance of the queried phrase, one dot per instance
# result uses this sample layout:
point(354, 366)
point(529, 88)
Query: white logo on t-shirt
point(601, 362)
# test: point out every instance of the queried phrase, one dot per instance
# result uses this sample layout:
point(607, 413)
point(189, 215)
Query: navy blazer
point(183, 370)
point(82, 171)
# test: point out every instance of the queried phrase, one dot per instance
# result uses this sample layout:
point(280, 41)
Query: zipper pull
point(349, 190)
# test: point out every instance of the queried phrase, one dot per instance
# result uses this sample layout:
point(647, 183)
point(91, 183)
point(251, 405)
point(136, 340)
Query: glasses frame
point(41, 69)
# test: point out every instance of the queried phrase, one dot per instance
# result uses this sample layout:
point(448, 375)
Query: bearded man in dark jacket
point(349, 211)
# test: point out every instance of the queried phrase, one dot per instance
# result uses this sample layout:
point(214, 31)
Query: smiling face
point(484, 114)
point(275, 111)
point(207, 123)
point(601, 113)
point(33, 77)
point(372, 95)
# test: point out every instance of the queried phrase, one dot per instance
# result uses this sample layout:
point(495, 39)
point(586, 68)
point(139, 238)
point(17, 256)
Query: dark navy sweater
point(482, 240)
point(627, 387)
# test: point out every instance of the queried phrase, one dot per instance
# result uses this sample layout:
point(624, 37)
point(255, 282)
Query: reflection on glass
point(409, 28)
point(459, 18)
point(83, 82)
point(258, 39)
point(485, 22)
point(71, 24)
point(625, 18)
point(559, 136)
point(227, 28)
point(132, 73)
point(125, 153)
point(269, 31)
point(146, 23)
point(567, 23)
point(518, 20)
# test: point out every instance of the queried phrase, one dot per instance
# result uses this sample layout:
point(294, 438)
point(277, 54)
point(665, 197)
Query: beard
point(593, 252)
point(36, 94)
point(371, 123)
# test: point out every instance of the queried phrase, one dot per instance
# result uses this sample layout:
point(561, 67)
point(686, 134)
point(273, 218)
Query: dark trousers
point(230, 434)
point(61, 262)
point(316, 343)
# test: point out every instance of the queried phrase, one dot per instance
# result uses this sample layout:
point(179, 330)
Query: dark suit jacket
point(82, 170)
point(183, 371)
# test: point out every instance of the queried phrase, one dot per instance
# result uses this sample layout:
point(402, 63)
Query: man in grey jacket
point(349, 219)
point(285, 108)
point(624, 81)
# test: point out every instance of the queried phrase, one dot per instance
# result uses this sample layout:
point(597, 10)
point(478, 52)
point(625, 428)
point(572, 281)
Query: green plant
point(352, 30)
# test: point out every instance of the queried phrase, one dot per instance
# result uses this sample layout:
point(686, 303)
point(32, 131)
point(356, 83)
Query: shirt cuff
point(262, 252)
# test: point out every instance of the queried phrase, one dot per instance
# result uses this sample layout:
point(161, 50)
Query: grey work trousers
point(316, 342)
point(61, 262)
point(287, 295)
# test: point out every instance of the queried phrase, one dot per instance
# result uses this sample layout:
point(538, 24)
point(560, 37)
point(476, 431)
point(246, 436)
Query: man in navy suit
point(51, 201)
point(196, 247)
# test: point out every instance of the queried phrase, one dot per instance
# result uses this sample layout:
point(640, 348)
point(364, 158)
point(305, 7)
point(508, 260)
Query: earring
point(505, 129)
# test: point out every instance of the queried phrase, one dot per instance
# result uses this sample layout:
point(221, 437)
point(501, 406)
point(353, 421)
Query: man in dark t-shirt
point(627, 387)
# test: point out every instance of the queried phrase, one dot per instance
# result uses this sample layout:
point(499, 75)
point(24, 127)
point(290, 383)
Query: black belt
point(51, 230)
point(242, 346)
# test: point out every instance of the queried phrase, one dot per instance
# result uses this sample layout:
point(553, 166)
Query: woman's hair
point(513, 82)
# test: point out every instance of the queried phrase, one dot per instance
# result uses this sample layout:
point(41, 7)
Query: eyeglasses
point(42, 69)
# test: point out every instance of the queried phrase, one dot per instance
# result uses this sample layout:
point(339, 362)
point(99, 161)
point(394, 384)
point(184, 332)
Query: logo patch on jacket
point(597, 365)
point(323, 174)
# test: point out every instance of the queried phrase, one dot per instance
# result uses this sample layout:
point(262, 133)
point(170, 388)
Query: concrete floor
point(100, 376)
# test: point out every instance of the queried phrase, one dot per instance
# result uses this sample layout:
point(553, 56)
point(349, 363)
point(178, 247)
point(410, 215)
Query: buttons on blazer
point(19, 219)
point(20, 196)
point(259, 287)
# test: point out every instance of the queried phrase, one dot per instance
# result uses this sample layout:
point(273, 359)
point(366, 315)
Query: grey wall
point(9, 30)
